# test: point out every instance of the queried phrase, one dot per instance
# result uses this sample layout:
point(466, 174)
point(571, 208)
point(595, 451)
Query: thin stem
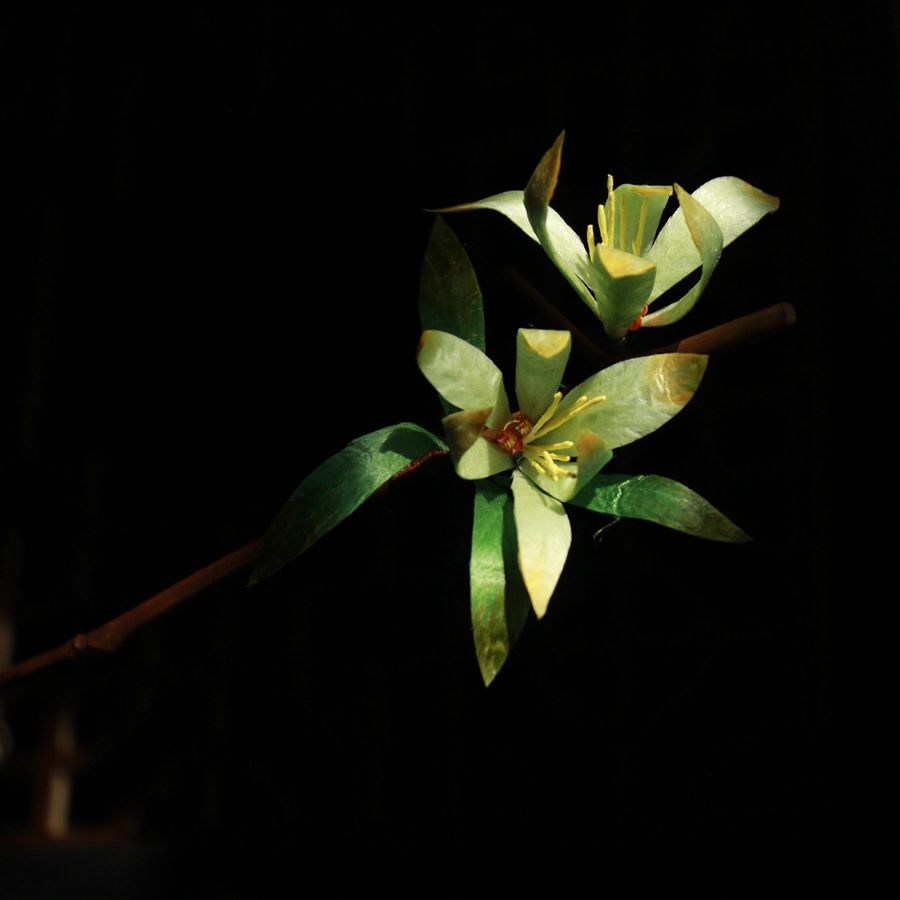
point(110, 636)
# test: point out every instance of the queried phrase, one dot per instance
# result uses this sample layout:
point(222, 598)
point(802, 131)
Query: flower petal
point(541, 357)
point(499, 602)
point(622, 285)
point(336, 488)
point(641, 395)
point(636, 214)
point(473, 456)
point(660, 500)
point(544, 535)
point(462, 374)
point(733, 203)
point(592, 456)
point(561, 244)
point(707, 238)
point(530, 210)
point(449, 295)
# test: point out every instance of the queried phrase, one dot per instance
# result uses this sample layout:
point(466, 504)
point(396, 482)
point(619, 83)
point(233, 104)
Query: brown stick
point(736, 332)
point(113, 634)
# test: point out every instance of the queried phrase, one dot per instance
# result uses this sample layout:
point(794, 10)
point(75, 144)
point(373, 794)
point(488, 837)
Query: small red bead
point(639, 320)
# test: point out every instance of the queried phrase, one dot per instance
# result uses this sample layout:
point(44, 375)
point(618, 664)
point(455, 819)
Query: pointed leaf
point(659, 500)
point(544, 535)
point(473, 456)
point(707, 238)
point(337, 487)
point(541, 357)
point(641, 395)
point(733, 203)
point(462, 374)
point(622, 285)
point(498, 599)
point(449, 295)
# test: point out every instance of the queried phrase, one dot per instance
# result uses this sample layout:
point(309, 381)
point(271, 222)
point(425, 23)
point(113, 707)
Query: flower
point(620, 277)
point(554, 444)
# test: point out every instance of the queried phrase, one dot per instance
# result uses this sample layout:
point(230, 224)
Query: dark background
point(212, 226)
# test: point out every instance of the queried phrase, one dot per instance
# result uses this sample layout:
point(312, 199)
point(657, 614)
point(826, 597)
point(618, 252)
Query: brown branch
point(737, 332)
point(113, 634)
point(110, 636)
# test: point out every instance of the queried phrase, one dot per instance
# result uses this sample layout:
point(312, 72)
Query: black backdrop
point(212, 227)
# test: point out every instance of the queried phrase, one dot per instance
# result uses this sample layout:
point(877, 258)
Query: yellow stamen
point(601, 221)
point(611, 203)
point(554, 403)
point(590, 241)
point(562, 445)
point(544, 426)
point(622, 227)
point(546, 463)
point(544, 457)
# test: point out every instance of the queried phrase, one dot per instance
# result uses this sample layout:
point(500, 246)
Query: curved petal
point(633, 211)
point(591, 457)
point(641, 395)
point(622, 285)
point(707, 238)
point(733, 203)
point(660, 500)
point(499, 603)
point(462, 374)
point(561, 244)
point(544, 535)
point(473, 457)
point(541, 357)
point(571, 256)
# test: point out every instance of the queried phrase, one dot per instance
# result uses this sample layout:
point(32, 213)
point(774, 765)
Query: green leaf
point(449, 295)
point(337, 487)
point(544, 535)
point(463, 375)
point(659, 500)
point(734, 204)
point(641, 395)
point(561, 244)
point(707, 238)
point(622, 284)
point(541, 357)
point(499, 601)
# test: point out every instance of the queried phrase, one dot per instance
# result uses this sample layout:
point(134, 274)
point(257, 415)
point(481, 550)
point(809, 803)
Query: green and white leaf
point(336, 488)
point(449, 295)
point(499, 603)
point(660, 500)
